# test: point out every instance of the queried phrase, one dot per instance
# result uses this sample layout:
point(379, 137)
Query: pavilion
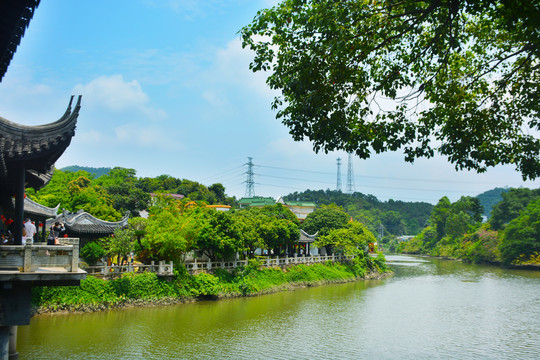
point(87, 227)
point(27, 157)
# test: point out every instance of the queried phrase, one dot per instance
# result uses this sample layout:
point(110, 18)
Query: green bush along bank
point(147, 289)
point(511, 236)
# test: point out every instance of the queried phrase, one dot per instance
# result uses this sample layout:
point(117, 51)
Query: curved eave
point(24, 142)
point(78, 230)
point(307, 238)
point(37, 180)
point(82, 223)
point(33, 208)
point(16, 16)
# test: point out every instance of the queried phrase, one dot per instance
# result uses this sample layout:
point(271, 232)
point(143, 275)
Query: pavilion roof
point(82, 223)
point(257, 201)
point(296, 203)
point(300, 203)
point(32, 208)
point(36, 148)
point(306, 238)
point(15, 18)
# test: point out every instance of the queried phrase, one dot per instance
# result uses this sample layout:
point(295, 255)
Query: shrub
point(92, 252)
point(205, 285)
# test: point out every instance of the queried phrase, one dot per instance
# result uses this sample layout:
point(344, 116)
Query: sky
point(167, 90)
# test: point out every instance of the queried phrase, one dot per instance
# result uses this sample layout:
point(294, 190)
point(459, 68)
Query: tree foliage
point(324, 220)
point(120, 244)
point(397, 217)
point(273, 227)
point(456, 77)
point(521, 238)
point(75, 191)
point(167, 236)
point(221, 236)
point(92, 252)
point(350, 240)
point(490, 198)
point(513, 203)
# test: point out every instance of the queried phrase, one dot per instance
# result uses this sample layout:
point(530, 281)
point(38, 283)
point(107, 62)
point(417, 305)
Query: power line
point(384, 177)
point(325, 184)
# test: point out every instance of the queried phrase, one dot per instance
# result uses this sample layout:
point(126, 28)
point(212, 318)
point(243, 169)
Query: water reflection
point(430, 308)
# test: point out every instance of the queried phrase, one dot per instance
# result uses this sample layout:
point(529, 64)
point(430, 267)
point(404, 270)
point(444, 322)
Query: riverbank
point(148, 289)
point(534, 267)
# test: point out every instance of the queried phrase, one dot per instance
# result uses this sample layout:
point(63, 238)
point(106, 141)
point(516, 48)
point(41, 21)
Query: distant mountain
point(491, 198)
point(97, 172)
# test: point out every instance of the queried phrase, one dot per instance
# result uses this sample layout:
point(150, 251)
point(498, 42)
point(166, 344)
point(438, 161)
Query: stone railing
point(31, 258)
point(162, 269)
point(193, 267)
point(283, 262)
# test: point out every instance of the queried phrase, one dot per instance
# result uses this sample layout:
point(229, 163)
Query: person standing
point(56, 230)
point(30, 230)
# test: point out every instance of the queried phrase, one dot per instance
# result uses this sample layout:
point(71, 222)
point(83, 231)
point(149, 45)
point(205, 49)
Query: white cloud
point(89, 137)
point(232, 67)
point(113, 93)
point(287, 147)
point(190, 9)
point(147, 137)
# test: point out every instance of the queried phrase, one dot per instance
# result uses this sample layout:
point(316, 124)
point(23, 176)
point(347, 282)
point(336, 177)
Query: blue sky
point(167, 90)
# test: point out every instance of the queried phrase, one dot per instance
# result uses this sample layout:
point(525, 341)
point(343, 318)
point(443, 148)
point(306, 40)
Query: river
point(429, 309)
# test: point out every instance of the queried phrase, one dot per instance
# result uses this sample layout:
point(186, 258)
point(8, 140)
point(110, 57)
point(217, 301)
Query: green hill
point(491, 198)
point(397, 217)
point(97, 172)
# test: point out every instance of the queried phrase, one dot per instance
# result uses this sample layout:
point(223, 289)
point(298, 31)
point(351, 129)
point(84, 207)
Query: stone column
point(13, 354)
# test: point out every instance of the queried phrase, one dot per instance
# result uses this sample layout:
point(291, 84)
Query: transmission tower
point(350, 176)
point(338, 184)
point(250, 184)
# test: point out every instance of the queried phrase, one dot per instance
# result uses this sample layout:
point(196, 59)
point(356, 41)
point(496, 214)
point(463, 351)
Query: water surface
point(429, 309)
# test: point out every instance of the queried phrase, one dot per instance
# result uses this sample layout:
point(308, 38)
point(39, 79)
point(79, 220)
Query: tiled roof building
point(256, 201)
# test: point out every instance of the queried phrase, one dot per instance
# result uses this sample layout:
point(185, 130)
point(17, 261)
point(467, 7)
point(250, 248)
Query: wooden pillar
point(43, 230)
point(19, 206)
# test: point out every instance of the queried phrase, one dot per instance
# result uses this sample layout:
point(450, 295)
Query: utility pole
point(350, 176)
point(250, 184)
point(338, 184)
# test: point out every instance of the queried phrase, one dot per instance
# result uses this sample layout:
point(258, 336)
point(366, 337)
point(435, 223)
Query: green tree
point(513, 203)
point(120, 244)
point(474, 64)
point(439, 215)
point(521, 238)
point(121, 185)
point(324, 220)
point(92, 252)
point(169, 235)
point(138, 226)
point(350, 240)
point(220, 237)
point(279, 211)
point(219, 192)
point(272, 227)
point(490, 198)
point(457, 224)
point(75, 191)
